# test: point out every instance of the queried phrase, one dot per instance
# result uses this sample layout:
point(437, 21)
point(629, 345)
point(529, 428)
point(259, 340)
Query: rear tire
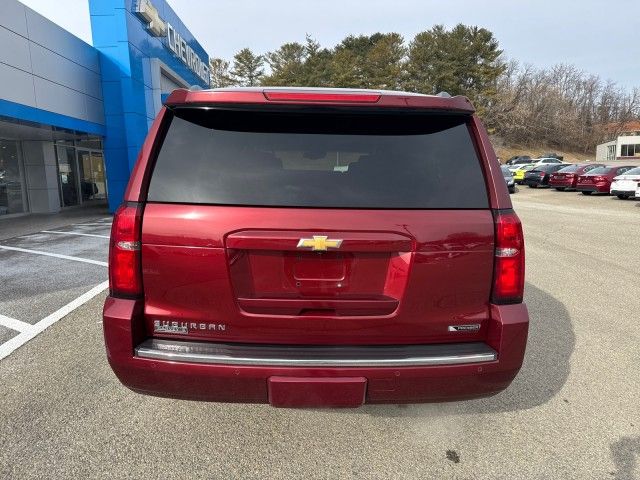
point(587, 193)
point(531, 185)
point(622, 197)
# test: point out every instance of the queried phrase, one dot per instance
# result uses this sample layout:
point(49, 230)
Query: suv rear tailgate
point(317, 225)
point(234, 274)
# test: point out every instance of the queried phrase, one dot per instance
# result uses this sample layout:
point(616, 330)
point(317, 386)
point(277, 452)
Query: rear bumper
point(593, 188)
point(629, 193)
point(565, 183)
point(479, 369)
point(535, 181)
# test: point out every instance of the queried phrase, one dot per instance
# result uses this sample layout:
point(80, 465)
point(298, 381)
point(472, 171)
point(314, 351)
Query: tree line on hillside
point(560, 107)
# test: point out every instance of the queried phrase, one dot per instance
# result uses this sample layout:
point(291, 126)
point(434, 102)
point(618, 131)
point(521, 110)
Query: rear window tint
point(546, 168)
point(600, 170)
point(569, 169)
point(339, 160)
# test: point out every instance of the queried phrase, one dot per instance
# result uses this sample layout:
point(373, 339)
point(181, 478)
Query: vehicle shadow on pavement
point(544, 372)
point(626, 454)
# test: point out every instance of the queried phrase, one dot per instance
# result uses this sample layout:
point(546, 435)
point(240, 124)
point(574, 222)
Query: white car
point(626, 185)
point(534, 162)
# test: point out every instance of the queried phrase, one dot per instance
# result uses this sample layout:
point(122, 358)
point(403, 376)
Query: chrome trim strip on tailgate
point(316, 356)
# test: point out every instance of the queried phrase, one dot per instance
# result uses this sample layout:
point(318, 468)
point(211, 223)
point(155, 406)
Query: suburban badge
point(473, 327)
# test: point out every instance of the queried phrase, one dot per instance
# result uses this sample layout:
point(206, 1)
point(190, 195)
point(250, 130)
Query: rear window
point(546, 168)
point(569, 169)
point(633, 171)
point(328, 159)
point(600, 170)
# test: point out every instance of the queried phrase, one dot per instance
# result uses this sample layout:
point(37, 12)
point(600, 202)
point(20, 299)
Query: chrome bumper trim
point(315, 356)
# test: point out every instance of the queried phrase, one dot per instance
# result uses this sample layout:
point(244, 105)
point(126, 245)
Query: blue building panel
point(127, 41)
point(112, 89)
point(35, 115)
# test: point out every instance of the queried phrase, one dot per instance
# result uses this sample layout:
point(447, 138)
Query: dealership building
point(73, 116)
point(625, 146)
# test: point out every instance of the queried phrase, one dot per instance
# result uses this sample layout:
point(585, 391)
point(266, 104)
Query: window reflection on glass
point(92, 185)
point(67, 169)
point(11, 199)
point(632, 150)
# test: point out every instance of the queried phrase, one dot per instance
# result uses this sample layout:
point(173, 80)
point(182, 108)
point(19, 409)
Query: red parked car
point(310, 247)
point(599, 179)
point(567, 178)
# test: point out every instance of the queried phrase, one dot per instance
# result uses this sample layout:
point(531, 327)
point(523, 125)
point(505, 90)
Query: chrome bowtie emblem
point(319, 243)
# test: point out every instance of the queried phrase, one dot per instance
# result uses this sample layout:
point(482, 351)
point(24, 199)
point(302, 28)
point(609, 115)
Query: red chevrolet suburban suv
point(316, 247)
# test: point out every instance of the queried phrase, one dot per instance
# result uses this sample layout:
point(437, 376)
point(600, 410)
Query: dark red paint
point(400, 277)
point(568, 181)
point(600, 182)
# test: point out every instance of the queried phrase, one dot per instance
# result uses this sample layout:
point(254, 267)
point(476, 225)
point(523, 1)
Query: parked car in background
point(518, 160)
point(508, 177)
point(540, 161)
point(518, 173)
point(546, 160)
point(599, 179)
point(517, 164)
point(552, 155)
point(534, 161)
point(540, 174)
point(567, 177)
point(247, 276)
point(624, 186)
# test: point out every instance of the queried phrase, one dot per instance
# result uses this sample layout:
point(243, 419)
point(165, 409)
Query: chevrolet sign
point(157, 27)
point(147, 12)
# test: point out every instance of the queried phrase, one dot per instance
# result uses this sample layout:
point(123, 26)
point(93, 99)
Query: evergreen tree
point(462, 61)
point(317, 71)
point(374, 61)
point(219, 73)
point(248, 68)
point(287, 65)
point(385, 62)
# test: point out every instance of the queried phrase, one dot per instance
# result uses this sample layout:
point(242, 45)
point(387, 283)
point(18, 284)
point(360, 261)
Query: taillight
point(599, 179)
point(508, 275)
point(125, 274)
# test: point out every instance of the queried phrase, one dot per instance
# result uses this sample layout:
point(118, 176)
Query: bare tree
point(560, 107)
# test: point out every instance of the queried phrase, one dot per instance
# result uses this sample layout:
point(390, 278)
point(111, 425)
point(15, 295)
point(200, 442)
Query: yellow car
point(518, 173)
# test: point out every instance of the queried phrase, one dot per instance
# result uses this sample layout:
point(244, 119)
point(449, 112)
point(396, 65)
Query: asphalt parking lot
point(573, 412)
point(47, 274)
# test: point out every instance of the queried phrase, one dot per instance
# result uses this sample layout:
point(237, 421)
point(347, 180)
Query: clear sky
point(598, 36)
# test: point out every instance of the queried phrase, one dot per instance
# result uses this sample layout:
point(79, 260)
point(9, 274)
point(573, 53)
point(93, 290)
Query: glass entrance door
point(67, 175)
point(11, 179)
point(93, 185)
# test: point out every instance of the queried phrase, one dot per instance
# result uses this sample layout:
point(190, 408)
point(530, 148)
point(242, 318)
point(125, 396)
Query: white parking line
point(16, 342)
point(15, 324)
point(56, 255)
point(75, 233)
point(92, 224)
